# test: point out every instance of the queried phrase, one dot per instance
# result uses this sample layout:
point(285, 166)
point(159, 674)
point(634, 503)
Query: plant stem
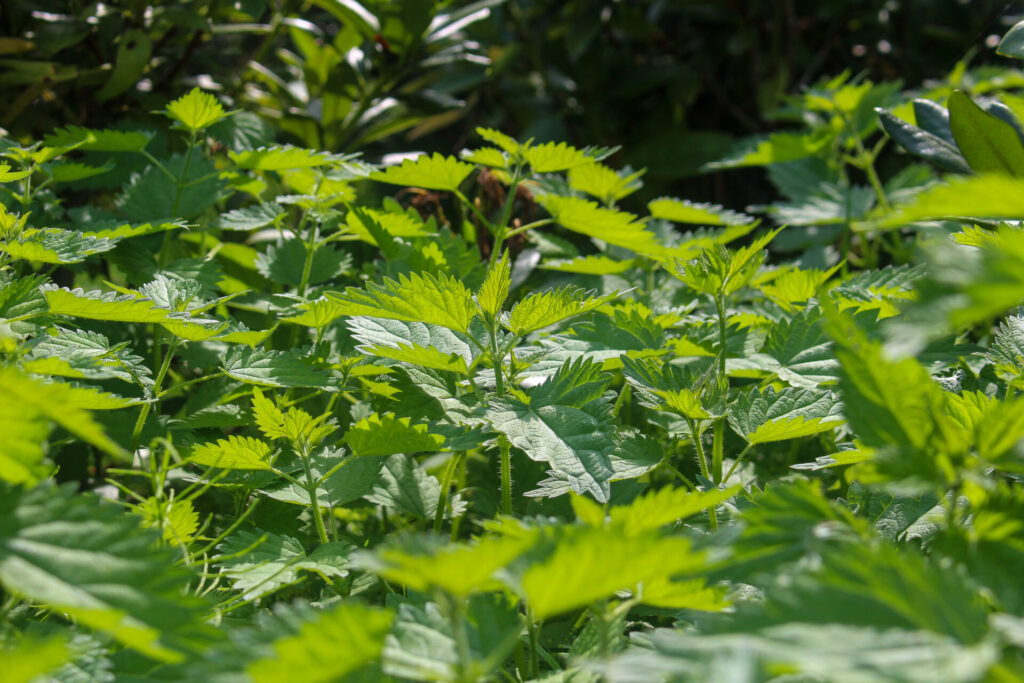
point(736, 462)
point(496, 358)
point(446, 483)
point(718, 450)
point(157, 383)
point(311, 485)
point(703, 460)
point(506, 474)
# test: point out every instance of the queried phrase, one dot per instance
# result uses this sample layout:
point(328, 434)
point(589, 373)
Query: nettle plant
point(509, 432)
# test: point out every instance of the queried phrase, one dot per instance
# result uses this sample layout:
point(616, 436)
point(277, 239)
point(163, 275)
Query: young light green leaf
point(419, 297)
point(608, 225)
point(665, 506)
point(31, 658)
point(52, 245)
point(595, 264)
point(388, 435)
point(551, 157)
point(685, 211)
point(505, 142)
point(196, 110)
point(543, 309)
point(233, 453)
point(603, 183)
point(280, 158)
point(494, 289)
point(772, 149)
point(431, 173)
point(94, 140)
point(342, 640)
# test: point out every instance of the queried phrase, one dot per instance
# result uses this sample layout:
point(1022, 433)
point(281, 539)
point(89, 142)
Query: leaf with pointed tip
point(992, 196)
point(149, 196)
point(388, 435)
point(85, 558)
point(429, 172)
point(589, 564)
point(70, 171)
point(604, 183)
point(494, 289)
point(28, 408)
point(260, 564)
point(608, 225)
point(772, 149)
point(943, 153)
point(567, 422)
point(280, 158)
point(685, 211)
point(460, 569)
point(802, 350)
point(52, 245)
point(595, 264)
point(364, 222)
point(196, 110)
point(413, 342)
point(274, 369)
point(233, 453)
point(405, 487)
point(766, 416)
point(550, 157)
point(543, 309)
point(419, 297)
point(350, 479)
point(251, 217)
point(341, 641)
point(95, 140)
point(665, 506)
point(989, 144)
point(1006, 352)
point(498, 138)
point(485, 156)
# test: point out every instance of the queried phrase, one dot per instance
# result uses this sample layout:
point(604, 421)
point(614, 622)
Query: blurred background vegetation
point(674, 82)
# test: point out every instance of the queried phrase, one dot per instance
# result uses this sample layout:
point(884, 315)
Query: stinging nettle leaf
point(769, 415)
point(543, 309)
point(386, 434)
point(233, 453)
point(259, 565)
point(196, 110)
point(419, 297)
point(989, 144)
point(685, 211)
point(429, 172)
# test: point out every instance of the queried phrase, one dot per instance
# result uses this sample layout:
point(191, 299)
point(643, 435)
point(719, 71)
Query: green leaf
point(196, 110)
point(543, 309)
point(567, 422)
point(94, 140)
point(772, 149)
point(260, 564)
point(802, 350)
point(590, 564)
point(766, 416)
point(274, 369)
point(989, 144)
point(991, 196)
point(432, 173)
point(665, 506)
point(70, 171)
point(341, 641)
point(505, 142)
point(924, 144)
point(286, 263)
point(280, 158)
point(459, 569)
point(388, 435)
point(419, 297)
point(404, 487)
point(251, 217)
point(494, 289)
point(351, 479)
point(233, 453)
point(719, 271)
point(608, 225)
point(485, 156)
point(551, 157)
point(1012, 44)
point(89, 560)
point(51, 245)
point(685, 211)
point(151, 196)
point(595, 264)
point(31, 658)
point(603, 183)
point(1006, 352)
point(428, 346)
point(28, 408)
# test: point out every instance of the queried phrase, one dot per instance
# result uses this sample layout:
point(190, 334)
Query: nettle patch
point(507, 430)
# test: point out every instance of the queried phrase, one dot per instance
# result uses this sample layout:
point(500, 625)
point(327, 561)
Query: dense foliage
point(274, 412)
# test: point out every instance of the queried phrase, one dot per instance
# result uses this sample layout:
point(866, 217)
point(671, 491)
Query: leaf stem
point(737, 461)
point(157, 383)
point(311, 486)
point(446, 483)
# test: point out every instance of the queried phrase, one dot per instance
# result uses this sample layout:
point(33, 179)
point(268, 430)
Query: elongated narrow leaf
point(924, 144)
point(94, 140)
point(685, 211)
point(665, 506)
point(280, 158)
point(494, 289)
point(56, 246)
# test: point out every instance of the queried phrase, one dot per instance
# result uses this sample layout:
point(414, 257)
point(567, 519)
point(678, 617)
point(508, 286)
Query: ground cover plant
point(275, 413)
